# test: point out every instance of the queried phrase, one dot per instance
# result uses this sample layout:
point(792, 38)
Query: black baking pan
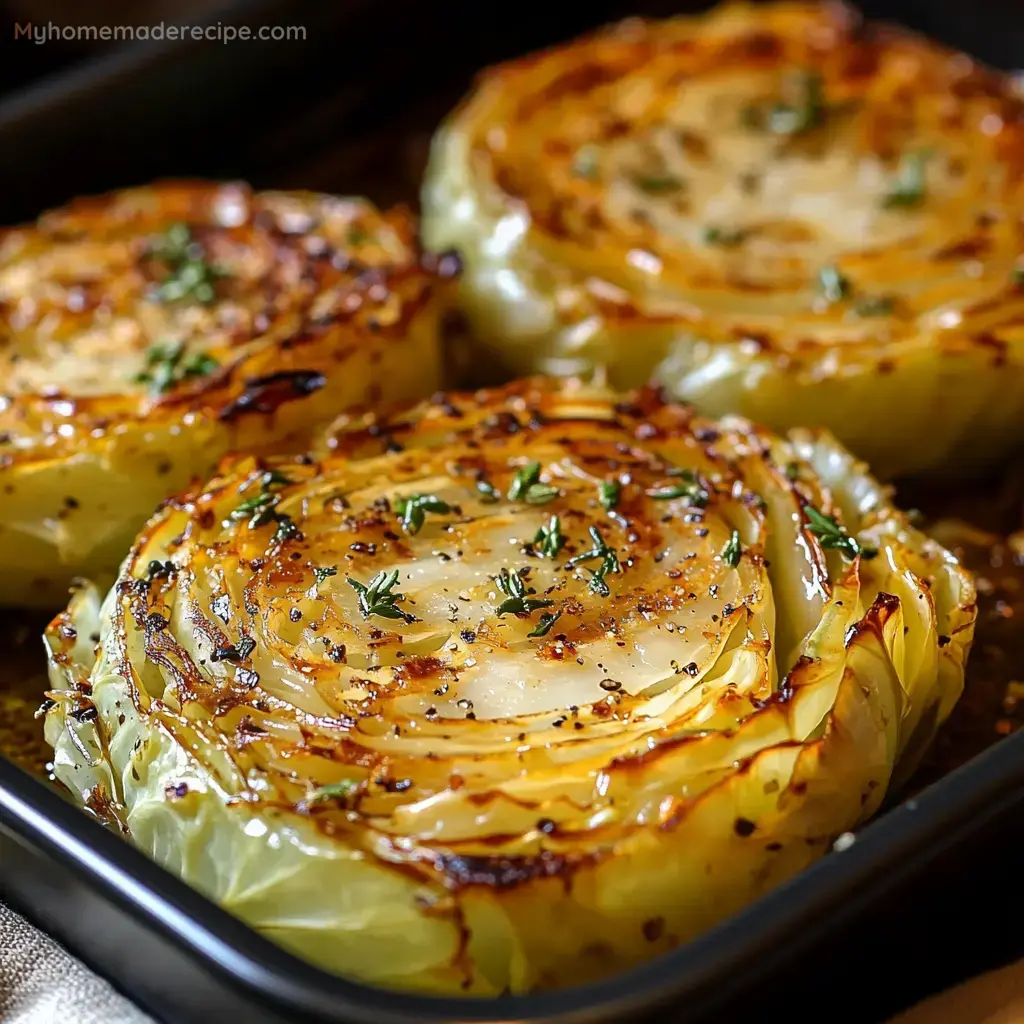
point(924, 896)
point(849, 939)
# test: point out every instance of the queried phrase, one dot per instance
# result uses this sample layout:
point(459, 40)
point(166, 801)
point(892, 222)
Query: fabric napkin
point(40, 983)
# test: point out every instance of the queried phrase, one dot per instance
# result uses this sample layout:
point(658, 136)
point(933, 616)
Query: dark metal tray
point(913, 906)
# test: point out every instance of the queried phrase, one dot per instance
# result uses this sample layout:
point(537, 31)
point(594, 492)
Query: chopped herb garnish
point(273, 478)
point(1017, 275)
point(909, 184)
point(803, 110)
point(258, 510)
point(376, 598)
point(832, 284)
point(549, 539)
point(609, 562)
point(608, 493)
point(875, 305)
point(831, 534)
point(173, 246)
point(733, 550)
point(792, 471)
point(540, 494)
point(356, 235)
point(412, 511)
point(654, 183)
point(165, 366)
point(544, 624)
point(517, 602)
point(726, 237)
point(324, 572)
point(286, 528)
point(191, 276)
point(488, 492)
point(807, 112)
point(585, 163)
point(526, 487)
point(334, 791)
point(688, 487)
point(524, 478)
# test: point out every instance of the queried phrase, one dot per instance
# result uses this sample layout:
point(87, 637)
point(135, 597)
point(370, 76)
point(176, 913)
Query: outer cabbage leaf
point(772, 209)
point(146, 333)
point(424, 780)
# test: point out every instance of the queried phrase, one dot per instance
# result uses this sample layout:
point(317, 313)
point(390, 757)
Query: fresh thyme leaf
point(173, 245)
point(688, 487)
point(597, 551)
point(273, 478)
point(165, 366)
point(733, 550)
point(377, 598)
point(524, 478)
point(540, 494)
point(598, 584)
point(833, 285)
point(512, 586)
point(333, 791)
point(655, 183)
point(609, 562)
point(830, 534)
point(608, 493)
point(526, 487)
point(805, 112)
point(585, 163)
point(910, 182)
point(549, 539)
point(488, 492)
point(200, 364)
point(191, 276)
point(258, 509)
point(874, 305)
point(544, 623)
point(286, 528)
point(412, 510)
point(324, 572)
point(726, 237)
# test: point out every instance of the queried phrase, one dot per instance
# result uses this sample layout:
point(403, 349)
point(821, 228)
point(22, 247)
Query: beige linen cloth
point(41, 984)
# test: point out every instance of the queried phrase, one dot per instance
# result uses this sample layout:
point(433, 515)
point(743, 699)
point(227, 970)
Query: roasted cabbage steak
point(511, 690)
point(774, 209)
point(146, 333)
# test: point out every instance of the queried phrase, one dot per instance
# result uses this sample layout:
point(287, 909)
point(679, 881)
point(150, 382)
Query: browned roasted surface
point(992, 705)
